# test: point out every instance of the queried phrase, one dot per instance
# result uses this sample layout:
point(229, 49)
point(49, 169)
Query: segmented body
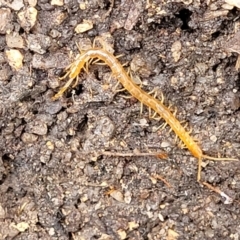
point(121, 75)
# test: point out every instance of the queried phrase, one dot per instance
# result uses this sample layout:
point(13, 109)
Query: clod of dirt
point(38, 43)
point(176, 50)
point(29, 138)
point(37, 127)
point(233, 45)
point(54, 60)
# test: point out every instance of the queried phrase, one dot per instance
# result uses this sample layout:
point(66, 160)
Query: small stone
point(84, 27)
point(16, 5)
point(5, 20)
point(15, 58)
point(14, 40)
point(32, 3)
point(117, 195)
point(128, 197)
point(213, 138)
point(57, 2)
point(38, 127)
point(21, 227)
point(38, 43)
point(165, 144)
point(132, 225)
point(176, 50)
point(51, 231)
point(235, 3)
point(29, 137)
point(161, 218)
point(82, 5)
point(2, 212)
point(28, 18)
point(50, 145)
point(122, 234)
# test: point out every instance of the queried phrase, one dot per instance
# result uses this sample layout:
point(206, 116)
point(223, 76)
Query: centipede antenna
point(132, 154)
point(219, 159)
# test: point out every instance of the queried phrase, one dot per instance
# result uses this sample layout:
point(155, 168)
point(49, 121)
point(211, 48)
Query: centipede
point(118, 71)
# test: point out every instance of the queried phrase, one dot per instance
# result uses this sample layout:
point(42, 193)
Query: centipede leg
point(153, 91)
point(97, 62)
point(79, 49)
point(118, 90)
point(64, 76)
point(185, 125)
point(76, 82)
point(162, 126)
point(63, 89)
point(149, 112)
point(136, 79)
point(162, 97)
point(176, 138)
point(190, 130)
point(175, 112)
point(154, 115)
point(120, 55)
point(181, 145)
point(170, 107)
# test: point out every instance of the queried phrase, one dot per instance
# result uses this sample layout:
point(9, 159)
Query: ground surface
point(52, 184)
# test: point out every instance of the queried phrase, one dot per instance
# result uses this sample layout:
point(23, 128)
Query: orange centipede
point(74, 69)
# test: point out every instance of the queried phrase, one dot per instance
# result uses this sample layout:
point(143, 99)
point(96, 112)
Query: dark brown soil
point(52, 184)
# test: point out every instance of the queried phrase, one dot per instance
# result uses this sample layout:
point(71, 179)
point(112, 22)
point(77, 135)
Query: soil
point(54, 181)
